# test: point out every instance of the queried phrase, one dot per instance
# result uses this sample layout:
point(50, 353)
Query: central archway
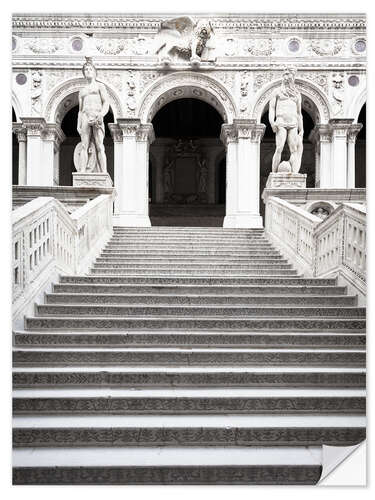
point(187, 165)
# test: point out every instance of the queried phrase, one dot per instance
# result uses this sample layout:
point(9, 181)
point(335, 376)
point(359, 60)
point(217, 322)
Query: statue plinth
point(286, 180)
point(92, 179)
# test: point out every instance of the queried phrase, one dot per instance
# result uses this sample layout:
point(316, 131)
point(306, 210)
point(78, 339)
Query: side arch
point(357, 105)
point(17, 106)
point(307, 89)
point(186, 85)
point(70, 88)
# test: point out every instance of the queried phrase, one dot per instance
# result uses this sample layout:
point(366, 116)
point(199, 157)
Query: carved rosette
point(45, 45)
point(110, 46)
point(326, 47)
point(260, 47)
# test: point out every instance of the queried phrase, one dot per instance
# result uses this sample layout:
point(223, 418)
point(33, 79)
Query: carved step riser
point(202, 311)
point(209, 300)
point(188, 406)
point(196, 436)
point(183, 475)
point(98, 323)
point(209, 266)
point(188, 340)
point(175, 379)
point(143, 280)
point(199, 290)
point(167, 358)
point(193, 272)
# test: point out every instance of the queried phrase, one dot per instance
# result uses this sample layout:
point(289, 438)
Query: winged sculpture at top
point(182, 36)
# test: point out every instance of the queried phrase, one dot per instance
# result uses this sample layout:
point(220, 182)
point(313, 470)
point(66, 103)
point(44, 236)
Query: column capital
point(116, 132)
point(322, 132)
point(129, 126)
point(145, 133)
point(228, 133)
point(53, 132)
point(353, 131)
point(34, 125)
point(249, 129)
point(19, 131)
point(340, 126)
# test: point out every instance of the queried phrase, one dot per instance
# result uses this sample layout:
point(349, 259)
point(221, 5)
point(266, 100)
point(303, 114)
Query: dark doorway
point(360, 152)
point(187, 167)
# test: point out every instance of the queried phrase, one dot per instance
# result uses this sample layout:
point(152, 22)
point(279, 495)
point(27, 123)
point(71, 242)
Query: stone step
point(181, 267)
point(188, 405)
point(158, 378)
point(200, 272)
point(198, 465)
point(177, 260)
point(186, 230)
point(126, 299)
point(186, 436)
point(214, 247)
point(112, 357)
point(198, 311)
point(189, 339)
point(178, 280)
point(217, 324)
point(217, 253)
point(201, 290)
point(189, 239)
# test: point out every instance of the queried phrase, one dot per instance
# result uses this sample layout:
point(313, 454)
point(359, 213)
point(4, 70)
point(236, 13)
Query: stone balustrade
point(336, 245)
point(341, 244)
point(47, 240)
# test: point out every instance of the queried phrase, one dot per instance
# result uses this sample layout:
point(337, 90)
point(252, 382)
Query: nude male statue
point(285, 117)
point(93, 106)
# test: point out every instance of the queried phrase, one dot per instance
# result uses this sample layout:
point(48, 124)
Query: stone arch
point(308, 90)
point(328, 205)
point(65, 96)
point(16, 106)
point(186, 85)
point(357, 105)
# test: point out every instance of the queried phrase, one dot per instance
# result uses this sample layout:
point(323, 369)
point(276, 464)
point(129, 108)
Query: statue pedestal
point(286, 180)
point(92, 179)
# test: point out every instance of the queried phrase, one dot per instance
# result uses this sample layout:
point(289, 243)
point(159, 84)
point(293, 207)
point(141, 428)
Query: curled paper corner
point(343, 465)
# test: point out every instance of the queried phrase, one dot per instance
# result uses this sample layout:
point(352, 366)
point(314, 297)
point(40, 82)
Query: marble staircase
point(187, 356)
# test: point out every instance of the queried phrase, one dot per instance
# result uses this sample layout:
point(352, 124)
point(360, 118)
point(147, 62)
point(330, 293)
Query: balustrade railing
point(319, 247)
point(47, 240)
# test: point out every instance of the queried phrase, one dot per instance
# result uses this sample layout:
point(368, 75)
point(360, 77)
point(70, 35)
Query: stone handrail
point(292, 228)
point(48, 241)
point(334, 246)
point(341, 244)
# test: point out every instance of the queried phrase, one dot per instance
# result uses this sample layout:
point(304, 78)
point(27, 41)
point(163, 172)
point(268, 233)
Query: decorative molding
point(34, 125)
point(116, 132)
point(129, 126)
point(328, 47)
point(45, 45)
point(259, 47)
point(110, 46)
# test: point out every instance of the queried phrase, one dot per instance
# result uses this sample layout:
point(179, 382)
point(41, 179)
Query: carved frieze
point(45, 45)
point(36, 93)
point(259, 46)
point(338, 94)
point(110, 46)
point(328, 47)
point(263, 77)
point(113, 78)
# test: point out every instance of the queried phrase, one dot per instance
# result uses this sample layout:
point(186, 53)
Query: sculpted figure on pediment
point(184, 37)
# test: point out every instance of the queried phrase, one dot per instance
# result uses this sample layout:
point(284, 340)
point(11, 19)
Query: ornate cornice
point(145, 133)
point(228, 133)
point(249, 129)
point(353, 131)
point(34, 125)
point(20, 131)
point(53, 132)
point(116, 132)
point(227, 23)
point(129, 126)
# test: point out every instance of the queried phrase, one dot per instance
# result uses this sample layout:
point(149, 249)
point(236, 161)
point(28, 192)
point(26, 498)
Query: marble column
point(132, 190)
point(339, 151)
point(144, 136)
point(229, 138)
point(117, 137)
point(34, 155)
point(246, 175)
point(324, 139)
point(353, 131)
point(21, 133)
point(52, 137)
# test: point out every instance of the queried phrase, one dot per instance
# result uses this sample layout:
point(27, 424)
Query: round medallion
point(21, 79)
point(353, 80)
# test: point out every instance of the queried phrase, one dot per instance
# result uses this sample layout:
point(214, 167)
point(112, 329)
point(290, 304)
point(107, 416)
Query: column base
point(131, 220)
point(92, 179)
point(243, 221)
